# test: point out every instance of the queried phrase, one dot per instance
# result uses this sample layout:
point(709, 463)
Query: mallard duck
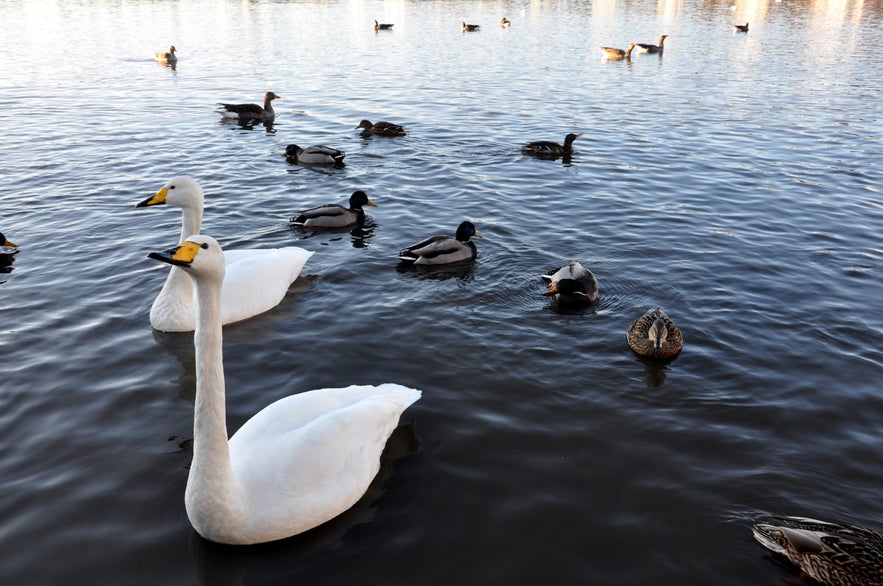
point(295, 464)
point(504, 22)
point(645, 48)
point(257, 279)
point(314, 155)
point(572, 284)
point(832, 553)
point(440, 250)
point(614, 54)
point(547, 148)
point(655, 335)
point(168, 57)
point(379, 26)
point(470, 27)
point(741, 28)
point(334, 215)
point(381, 128)
point(7, 246)
point(251, 112)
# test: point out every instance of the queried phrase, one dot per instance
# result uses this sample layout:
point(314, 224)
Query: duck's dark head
point(568, 140)
point(566, 287)
point(365, 124)
point(292, 151)
point(359, 199)
point(466, 231)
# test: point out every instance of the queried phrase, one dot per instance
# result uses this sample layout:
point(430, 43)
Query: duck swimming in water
point(334, 215)
point(381, 128)
point(572, 285)
point(470, 27)
point(741, 28)
point(547, 148)
point(314, 155)
point(440, 250)
point(655, 335)
point(835, 554)
point(380, 26)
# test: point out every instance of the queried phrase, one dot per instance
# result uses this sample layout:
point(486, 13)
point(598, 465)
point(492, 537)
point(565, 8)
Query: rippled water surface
point(736, 182)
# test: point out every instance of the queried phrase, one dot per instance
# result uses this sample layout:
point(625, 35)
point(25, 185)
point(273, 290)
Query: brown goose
point(741, 28)
point(614, 54)
point(655, 335)
point(251, 112)
point(379, 26)
point(169, 57)
point(504, 22)
point(646, 48)
point(470, 27)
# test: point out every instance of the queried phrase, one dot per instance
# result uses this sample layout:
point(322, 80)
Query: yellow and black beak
point(181, 255)
point(477, 234)
point(8, 243)
point(155, 200)
point(371, 203)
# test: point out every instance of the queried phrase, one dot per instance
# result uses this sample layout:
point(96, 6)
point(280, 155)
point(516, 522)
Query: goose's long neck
point(211, 454)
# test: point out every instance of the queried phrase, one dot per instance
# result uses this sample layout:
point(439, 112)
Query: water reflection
point(360, 234)
point(226, 565)
point(464, 271)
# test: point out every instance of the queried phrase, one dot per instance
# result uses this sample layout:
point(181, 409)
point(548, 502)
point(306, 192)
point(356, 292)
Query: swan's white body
point(256, 279)
point(295, 464)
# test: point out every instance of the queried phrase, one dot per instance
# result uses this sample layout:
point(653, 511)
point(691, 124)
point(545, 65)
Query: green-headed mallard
point(547, 148)
point(647, 48)
point(741, 28)
point(251, 112)
point(655, 335)
point(832, 553)
point(166, 57)
point(440, 250)
point(257, 279)
point(297, 463)
point(614, 54)
point(314, 155)
point(334, 215)
point(380, 26)
point(470, 27)
point(504, 22)
point(381, 128)
point(572, 284)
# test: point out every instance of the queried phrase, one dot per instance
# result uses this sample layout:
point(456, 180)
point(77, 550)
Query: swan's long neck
point(191, 222)
point(211, 452)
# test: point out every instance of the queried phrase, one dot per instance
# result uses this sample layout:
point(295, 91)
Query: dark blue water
point(735, 182)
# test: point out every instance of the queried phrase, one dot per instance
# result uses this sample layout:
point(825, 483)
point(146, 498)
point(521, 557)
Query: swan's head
point(199, 255)
point(359, 199)
point(181, 192)
point(467, 230)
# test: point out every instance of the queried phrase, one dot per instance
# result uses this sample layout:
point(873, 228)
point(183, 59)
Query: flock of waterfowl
point(308, 457)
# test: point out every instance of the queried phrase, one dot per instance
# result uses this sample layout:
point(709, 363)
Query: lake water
point(736, 182)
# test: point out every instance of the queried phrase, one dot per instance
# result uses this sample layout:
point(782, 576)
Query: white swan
point(295, 464)
point(256, 279)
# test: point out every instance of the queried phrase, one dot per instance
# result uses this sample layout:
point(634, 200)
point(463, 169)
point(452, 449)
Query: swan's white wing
point(308, 457)
point(258, 282)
